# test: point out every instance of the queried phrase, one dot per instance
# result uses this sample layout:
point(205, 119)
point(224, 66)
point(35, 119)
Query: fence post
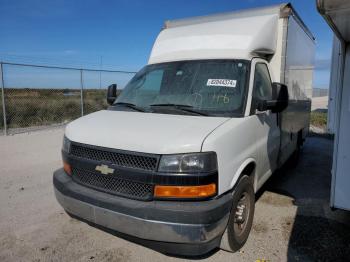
point(3, 98)
point(81, 92)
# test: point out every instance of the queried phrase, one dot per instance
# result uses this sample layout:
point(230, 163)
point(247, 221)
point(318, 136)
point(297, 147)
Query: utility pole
point(100, 71)
point(3, 98)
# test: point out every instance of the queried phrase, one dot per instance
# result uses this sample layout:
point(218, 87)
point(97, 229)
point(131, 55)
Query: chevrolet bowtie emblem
point(104, 169)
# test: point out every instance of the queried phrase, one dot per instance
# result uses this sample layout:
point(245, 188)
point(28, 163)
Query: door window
point(262, 88)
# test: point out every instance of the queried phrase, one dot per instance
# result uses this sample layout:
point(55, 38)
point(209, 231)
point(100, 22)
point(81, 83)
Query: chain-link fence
point(35, 97)
point(318, 92)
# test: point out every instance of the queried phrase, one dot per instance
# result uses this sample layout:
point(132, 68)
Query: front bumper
point(192, 223)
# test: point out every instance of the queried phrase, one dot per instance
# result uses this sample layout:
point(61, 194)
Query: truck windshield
point(204, 87)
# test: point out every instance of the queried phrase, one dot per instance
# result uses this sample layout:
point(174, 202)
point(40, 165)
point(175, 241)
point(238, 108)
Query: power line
point(46, 59)
point(68, 68)
point(56, 61)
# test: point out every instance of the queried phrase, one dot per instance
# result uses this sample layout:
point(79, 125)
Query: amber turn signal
point(67, 168)
point(185, 191)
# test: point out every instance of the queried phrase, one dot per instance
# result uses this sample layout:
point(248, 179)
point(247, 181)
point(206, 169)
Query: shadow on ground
point(317, 232)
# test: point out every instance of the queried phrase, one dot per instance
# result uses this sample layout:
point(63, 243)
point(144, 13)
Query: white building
point(337, 15)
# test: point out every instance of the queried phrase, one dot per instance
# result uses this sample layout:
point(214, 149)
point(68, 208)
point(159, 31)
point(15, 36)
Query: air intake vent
point(112, 184)
point(119, 158)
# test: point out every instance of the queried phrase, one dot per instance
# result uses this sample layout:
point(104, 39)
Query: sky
point(119, 34)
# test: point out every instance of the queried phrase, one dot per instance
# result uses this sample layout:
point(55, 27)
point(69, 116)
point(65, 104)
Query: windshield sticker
point(222, 82)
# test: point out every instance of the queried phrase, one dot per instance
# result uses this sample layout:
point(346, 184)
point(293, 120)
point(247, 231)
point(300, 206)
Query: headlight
point(188, 163)
point(66, 144)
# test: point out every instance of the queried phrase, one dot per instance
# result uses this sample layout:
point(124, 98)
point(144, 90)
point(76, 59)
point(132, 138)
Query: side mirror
point(280, 96)
point(280, 99)
point(111, 94)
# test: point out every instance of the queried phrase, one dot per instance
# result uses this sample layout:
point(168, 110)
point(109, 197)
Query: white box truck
point(175, 161)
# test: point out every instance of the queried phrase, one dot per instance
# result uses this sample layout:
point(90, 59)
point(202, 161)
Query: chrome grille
point(112, 184)
point(122, 159)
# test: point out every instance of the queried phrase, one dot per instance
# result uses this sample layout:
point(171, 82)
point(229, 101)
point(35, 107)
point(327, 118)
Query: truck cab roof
point(239, 34)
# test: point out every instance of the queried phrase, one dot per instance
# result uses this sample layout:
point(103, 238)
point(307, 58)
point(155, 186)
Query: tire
point(237, 232)
point(294, 158)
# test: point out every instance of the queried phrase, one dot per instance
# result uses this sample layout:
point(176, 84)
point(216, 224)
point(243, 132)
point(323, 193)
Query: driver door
point(268, 132)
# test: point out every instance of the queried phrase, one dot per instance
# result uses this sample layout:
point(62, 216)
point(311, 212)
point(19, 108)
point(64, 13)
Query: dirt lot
point(319, 103)
point(292, 222)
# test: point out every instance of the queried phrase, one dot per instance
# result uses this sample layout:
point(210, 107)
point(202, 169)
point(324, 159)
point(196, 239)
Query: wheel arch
point(248, 167)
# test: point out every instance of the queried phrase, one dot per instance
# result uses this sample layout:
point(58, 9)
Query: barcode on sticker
point(222, 82)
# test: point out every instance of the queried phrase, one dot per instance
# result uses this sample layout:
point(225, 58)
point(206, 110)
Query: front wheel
point(241, 217)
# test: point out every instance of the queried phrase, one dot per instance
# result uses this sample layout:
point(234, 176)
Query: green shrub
point(318, 119)
point(37, 107)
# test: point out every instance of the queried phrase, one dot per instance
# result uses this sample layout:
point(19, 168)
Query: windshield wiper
point(185, 108)
point(130, 105)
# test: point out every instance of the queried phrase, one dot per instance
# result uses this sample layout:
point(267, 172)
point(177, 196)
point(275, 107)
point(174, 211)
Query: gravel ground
point(292, 220)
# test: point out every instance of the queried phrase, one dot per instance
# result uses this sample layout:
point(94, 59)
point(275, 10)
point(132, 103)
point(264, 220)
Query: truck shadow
point(316, 233)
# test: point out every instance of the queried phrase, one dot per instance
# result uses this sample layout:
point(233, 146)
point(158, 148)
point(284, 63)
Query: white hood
point(143, 132)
